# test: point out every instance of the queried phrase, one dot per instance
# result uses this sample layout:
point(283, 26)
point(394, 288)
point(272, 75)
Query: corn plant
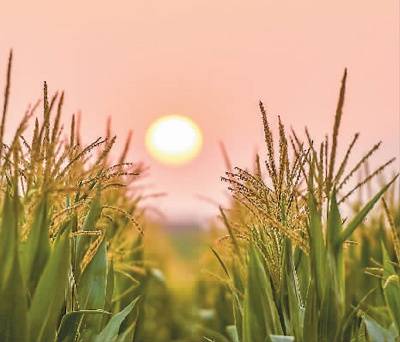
point(287, 256)
point(71, 252)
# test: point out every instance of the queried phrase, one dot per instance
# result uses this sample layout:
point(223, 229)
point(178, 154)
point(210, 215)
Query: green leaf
point(68, 330)
point(109, 290)
point(210, 335)
point(357, 220)
point(13, 304)
point(376, 332)
point(110, 332)
point(91, 219)
point(391, 288)
point(129, 334)
point(48, 298)
point(221, 262)
point(290, 296)
point(36, 250)
point(281, 338)
point(92, 287)
point(260, 314)
point(311, 317)
point(350, 319)
point(232, 333)
point(318, 258)
point(329, 316)
point(334, 222)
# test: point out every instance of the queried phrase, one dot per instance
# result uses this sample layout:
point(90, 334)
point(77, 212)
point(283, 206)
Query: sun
point(174, 139)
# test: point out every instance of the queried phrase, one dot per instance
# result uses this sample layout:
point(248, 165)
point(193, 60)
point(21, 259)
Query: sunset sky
point(212, 61)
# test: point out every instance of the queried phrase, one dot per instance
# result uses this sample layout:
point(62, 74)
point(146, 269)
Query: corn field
point(304, 252)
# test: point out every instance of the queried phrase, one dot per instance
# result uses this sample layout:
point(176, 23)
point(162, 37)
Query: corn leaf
point(36, 250)
point(48, 298)
point(311, 315)
point(281, 338)
point(391, 288)
point(260, 314)
point(13, 305)
point(90, 221)
point(232, 333)
point(378, 333)
point(318, 258)
point(357, 220)
point(92, 289)
point(68, 330)
point(110, 332)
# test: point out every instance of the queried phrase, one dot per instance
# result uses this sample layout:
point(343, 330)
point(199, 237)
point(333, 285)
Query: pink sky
point(213, 61)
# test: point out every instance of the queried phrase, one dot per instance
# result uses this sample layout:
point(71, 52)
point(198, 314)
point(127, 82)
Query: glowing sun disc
point(174, 139)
